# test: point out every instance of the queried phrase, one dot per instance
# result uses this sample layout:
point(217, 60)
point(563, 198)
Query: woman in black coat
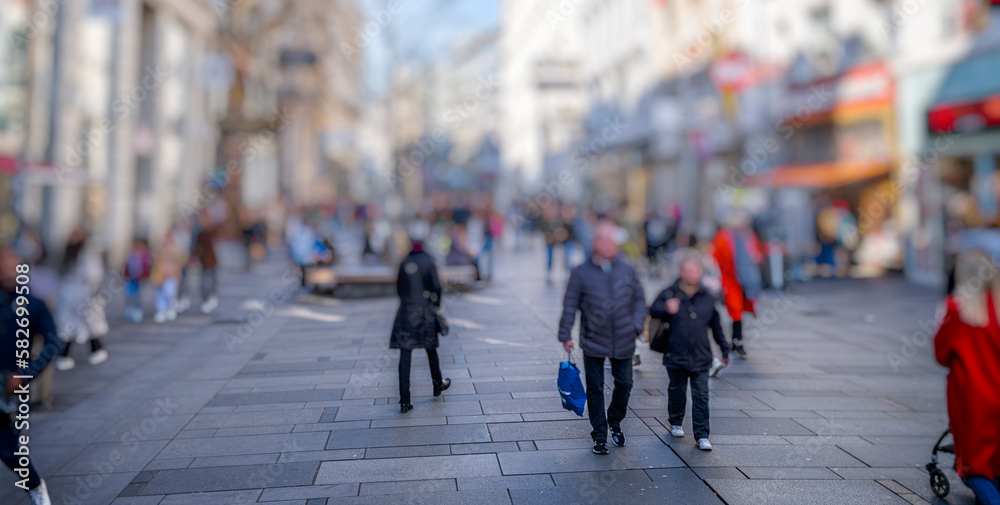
point(416, 324)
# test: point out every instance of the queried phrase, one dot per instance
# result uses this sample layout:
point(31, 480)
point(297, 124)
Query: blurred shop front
point(964, 128)
point(839, 137)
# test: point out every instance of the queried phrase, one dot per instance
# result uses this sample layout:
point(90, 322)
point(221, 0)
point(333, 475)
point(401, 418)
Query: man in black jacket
point(609, 297)
point(34, 317)
point(688, 312)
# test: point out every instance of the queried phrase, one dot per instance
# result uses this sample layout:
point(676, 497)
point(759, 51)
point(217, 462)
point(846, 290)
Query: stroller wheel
point(939, 483)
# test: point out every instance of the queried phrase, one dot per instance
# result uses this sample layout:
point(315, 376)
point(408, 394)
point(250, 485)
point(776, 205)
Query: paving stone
point(416, 435)
point(778, 473)
point(802, 492)
point(131, 428)
point(278, 494)
point(545, 430)
point(409, 421)
point(870, 427)
point(714, 472)
point(233, 446)
point(582, 460)
point(224, 400)
point(335, 455)
point(506, 482)
point(483, 448)
point(216, 498)
point(612, 487)
point(495, 418)
point(168, 463)
point(253, 430)
point(407, 452)
point(748, 426)
point(246, 459)
point(478, 496)
point(390, 470)
point(231, 478)
point(415, 488)
point(895, 456)
point(138, 500)
point(766, 455)
point(113, 458)
point(881, 473)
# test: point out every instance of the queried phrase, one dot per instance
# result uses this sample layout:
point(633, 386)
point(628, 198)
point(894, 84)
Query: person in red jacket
point(733, 295)
point(968, 343)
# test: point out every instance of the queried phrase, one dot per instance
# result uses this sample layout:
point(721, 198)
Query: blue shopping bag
point(571, 390)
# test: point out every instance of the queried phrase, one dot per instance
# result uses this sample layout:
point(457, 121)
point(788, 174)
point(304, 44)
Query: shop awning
point(8, 165)
point(822, 175)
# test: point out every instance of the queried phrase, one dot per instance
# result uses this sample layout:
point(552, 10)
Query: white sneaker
point(704, 444)
point(716, 366)
point(677, 431)
point(183, 304)
point(160, 317)
point(65, 363)
point(40, 495)
point(96, 358)
point(171, 315)
point(209, 305)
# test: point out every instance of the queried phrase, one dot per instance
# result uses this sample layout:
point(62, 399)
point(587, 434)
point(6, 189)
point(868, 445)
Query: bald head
point(605, 246)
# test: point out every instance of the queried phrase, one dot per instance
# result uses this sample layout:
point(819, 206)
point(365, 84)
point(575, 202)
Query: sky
point(420, 31)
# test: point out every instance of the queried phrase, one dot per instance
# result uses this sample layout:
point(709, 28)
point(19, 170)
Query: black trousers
point(405, 357)
point(737, 333)
point(621, 370)
point(8, 446)
point(677, 399)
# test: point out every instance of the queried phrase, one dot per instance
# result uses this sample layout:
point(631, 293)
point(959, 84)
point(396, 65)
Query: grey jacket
point(612, 309)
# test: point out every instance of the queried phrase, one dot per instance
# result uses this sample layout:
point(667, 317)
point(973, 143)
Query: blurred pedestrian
point(204, 252)
point(737, 251)
point(968, 343)
point(553, 227)
point(417, 321)
point(606, 291)
point(138, 265)
point(688, 311)
point(166, 277)
point(180, 237)
point(14, 296)
point(80, 315)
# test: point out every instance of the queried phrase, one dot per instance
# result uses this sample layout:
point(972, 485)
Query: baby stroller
point(939, 481)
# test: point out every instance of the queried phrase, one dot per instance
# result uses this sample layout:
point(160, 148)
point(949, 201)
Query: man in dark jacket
point(608, 295)
point(688, 312)
point(37, 320)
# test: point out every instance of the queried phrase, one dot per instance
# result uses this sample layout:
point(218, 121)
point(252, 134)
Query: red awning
point(822, 175)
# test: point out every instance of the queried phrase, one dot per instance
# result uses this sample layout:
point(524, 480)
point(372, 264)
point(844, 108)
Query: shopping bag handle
point(569, 357)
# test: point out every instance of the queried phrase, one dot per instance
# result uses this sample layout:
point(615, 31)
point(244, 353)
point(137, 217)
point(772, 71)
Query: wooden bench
point(365, 281)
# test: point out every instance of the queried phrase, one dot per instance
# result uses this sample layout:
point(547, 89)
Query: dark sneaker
point(618, 437)
point(600, 447)
point(441, 386)
point(739, 351)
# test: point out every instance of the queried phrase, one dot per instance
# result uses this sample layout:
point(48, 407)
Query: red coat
point(972, 355)
point(732, 292)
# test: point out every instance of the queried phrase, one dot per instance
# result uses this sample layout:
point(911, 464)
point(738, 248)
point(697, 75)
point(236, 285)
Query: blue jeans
point(985, 489)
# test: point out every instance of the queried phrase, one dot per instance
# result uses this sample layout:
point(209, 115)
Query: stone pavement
point(292, 400)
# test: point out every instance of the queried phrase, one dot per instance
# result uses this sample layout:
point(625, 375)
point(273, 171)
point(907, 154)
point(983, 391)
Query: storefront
point(839, 139)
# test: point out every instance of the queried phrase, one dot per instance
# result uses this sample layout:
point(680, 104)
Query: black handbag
point(442, 322)
point(659, 333)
